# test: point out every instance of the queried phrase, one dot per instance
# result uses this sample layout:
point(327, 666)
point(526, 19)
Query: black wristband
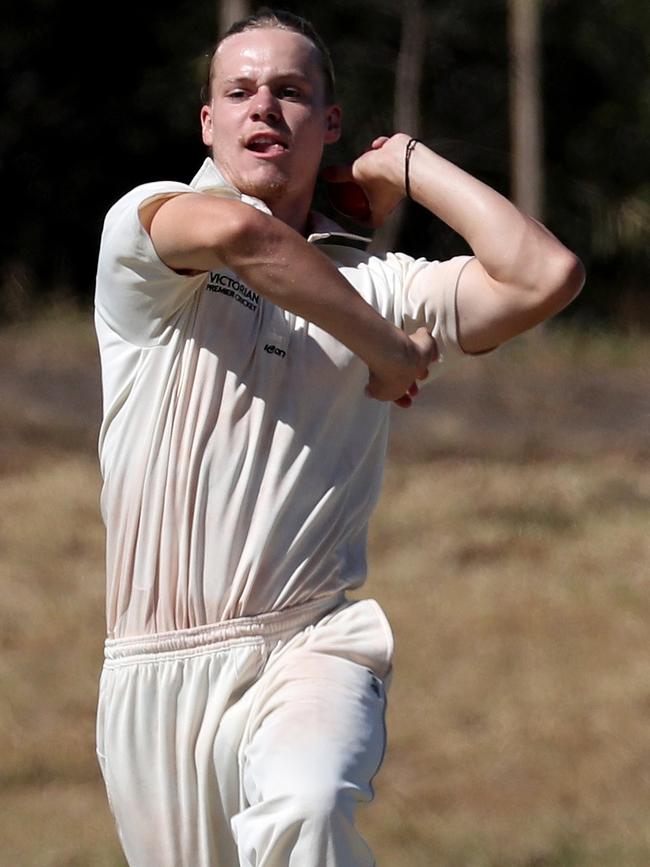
point(407, 159)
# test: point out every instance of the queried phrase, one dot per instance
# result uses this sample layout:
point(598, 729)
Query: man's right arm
point(195, 232)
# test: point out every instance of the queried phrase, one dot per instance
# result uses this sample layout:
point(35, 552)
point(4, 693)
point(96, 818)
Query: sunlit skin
point(266, 124)
point(268, 120)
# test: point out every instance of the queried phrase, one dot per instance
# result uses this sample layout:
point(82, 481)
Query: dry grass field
point(510, 550)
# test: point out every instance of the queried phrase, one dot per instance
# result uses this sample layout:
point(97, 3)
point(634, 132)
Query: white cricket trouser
point(247, 743)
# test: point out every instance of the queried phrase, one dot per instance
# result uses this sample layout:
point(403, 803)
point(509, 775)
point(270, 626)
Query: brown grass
point(519, 713)
point(510, 551)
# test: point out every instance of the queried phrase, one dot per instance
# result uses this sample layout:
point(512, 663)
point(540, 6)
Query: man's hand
point(398, 381)
point(379, 174)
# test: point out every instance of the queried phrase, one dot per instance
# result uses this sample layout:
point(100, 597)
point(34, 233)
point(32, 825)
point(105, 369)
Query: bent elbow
point(566, 279)
point(237, 230)
point(574, 276)
point(253, 239)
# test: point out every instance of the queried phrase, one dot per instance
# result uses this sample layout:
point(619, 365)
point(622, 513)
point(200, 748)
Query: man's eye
point(236, 94)
point(288, 92)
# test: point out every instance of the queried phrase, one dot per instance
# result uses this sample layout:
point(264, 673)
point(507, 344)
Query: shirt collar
point(209, 179)
point(324, 231)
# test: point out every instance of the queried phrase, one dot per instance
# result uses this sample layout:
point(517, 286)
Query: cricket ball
point(349, 199)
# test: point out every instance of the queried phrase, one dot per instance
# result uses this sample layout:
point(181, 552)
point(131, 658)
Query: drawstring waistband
point(260, 626)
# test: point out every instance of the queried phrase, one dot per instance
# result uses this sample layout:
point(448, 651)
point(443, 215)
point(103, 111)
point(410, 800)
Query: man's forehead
point(262, 47)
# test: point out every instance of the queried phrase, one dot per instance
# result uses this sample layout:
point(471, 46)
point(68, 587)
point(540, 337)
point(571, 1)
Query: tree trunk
point(406, 111)
point(526, 106)
point(230, 11)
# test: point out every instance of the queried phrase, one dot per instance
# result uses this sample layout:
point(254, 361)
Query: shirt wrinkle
point(241, 472)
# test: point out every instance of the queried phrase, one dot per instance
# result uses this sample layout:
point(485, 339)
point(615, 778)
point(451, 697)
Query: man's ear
point(333, 124)
point(206, 125)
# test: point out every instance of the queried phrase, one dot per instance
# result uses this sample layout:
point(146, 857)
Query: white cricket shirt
point(241, 458)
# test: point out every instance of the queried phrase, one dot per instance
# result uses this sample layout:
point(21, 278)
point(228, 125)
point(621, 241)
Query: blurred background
point(547, 100)
point(511, 546)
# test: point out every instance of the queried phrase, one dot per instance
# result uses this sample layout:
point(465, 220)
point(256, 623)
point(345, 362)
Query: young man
point(250, 352)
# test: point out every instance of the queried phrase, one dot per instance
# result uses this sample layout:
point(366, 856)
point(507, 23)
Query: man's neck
point(294, 211)
point(296, 217)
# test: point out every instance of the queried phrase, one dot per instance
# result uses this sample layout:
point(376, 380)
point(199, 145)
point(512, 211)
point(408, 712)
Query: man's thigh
point(314, 740)
point(171, 790)
point(319, 728)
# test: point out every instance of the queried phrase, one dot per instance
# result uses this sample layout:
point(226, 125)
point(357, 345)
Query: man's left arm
point(522, 273)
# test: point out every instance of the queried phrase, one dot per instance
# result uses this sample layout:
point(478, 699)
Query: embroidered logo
point(227, 285)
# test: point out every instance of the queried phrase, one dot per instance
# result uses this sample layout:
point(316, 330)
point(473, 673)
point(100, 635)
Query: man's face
point(268, 120)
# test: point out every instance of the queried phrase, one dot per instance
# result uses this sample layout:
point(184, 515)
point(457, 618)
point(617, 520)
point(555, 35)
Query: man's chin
point(267, 188)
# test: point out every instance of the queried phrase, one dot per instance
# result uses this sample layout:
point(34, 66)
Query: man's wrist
point(393, 352)
point(410, 147)
point(394, 152)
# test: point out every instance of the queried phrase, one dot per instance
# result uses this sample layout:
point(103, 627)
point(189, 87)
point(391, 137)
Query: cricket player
point(250, 351)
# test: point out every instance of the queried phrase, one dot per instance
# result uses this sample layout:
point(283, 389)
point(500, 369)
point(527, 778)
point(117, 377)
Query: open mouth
point(266, 144)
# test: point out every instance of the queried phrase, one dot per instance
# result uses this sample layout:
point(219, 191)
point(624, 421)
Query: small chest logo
point(274, 350)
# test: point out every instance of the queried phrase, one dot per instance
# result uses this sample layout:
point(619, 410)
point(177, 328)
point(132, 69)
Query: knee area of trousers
point(320, 802)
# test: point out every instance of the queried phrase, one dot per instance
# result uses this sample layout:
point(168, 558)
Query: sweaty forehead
point(266, 50)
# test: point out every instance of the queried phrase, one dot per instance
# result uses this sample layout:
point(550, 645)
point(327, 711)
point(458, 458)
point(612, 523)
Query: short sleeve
point(433, 303)
point(411, 304)
point(136, 293)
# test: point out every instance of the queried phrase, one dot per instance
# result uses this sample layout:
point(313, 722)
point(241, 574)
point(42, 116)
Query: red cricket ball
point(349, 199)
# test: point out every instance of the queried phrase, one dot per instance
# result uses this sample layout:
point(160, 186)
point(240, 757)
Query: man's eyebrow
point(285, 73)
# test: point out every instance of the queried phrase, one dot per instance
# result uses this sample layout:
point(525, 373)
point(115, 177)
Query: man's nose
point(265, 106)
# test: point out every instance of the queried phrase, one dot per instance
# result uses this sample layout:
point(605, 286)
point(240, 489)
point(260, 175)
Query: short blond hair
point(280, 18)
